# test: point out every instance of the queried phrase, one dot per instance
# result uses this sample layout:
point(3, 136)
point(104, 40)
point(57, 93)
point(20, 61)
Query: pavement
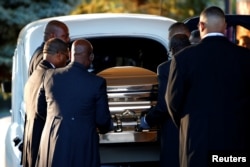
point(5, 119)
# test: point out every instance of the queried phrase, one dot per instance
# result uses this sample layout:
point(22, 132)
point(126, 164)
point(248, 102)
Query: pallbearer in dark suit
point(53, 29)
point(55, 54)
point(208, 94)
point(77, 107)
point(158, 115)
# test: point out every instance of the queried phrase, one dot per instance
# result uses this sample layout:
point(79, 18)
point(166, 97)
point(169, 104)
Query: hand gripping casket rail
point(131, 91)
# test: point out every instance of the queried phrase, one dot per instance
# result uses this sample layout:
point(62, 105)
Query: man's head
point(212, 19)
point(195, 37)
point(178, 42)
point(56, 52)
point(82, 52)
point(56, 29)
point(178, 28)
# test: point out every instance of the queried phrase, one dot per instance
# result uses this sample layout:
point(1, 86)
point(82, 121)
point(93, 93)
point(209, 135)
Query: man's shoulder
point(163, 68)
point(37, 72)
point(164, 65)
point(38, 52)
point(35, 78)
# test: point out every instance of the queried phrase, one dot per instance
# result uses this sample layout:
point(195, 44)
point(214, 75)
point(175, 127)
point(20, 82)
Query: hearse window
point(243, 37)
point(127, 51)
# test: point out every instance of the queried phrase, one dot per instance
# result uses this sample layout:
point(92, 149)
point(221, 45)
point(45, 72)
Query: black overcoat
point(34, 118)
point(77, 106)
point(208, 96)
point(36, 58)
point(158, 115)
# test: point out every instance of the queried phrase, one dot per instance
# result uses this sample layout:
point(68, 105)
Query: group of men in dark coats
point(47, 56)
point(65, 104)
point(206, 95)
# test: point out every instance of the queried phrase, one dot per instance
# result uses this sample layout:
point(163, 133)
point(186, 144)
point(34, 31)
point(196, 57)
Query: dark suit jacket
point(36, 58)
point(77, 107)
point(208, 96)
point(159, 115)
point(35, 119)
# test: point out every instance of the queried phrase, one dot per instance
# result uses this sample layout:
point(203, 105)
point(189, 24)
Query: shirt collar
point(52, 65)
point(213, 34)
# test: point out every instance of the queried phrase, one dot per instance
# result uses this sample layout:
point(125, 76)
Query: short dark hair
point(195, 36)
point(179, 27)
point(213, 11)
point(178, 42)
point(55, 45)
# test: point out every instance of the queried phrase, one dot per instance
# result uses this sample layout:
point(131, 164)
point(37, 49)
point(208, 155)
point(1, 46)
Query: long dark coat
point(158, 115)
point(208, 96)
point(34, 119)
point(77, 107)
point(36, 59)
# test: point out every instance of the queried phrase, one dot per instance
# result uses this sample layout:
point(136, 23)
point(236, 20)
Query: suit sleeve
point(158, 114)
point(103, 116)
point(41, 104)
point(175, 92)
point(35, 60)
point(41, 100)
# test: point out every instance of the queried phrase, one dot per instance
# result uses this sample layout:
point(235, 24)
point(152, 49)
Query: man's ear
point(202, 26)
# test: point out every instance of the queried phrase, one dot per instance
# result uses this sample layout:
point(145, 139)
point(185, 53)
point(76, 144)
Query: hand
point(143, 123)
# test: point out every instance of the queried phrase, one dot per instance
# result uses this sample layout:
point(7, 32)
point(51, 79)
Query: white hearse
point(136, 41)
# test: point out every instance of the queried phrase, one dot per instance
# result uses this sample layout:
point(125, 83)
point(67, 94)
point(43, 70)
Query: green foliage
point(15, 14)
point(176, 9)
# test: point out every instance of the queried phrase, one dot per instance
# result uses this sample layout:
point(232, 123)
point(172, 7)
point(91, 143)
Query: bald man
point(77, 107)
point(82, 52)
point(208, 95)
point(53, 29)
